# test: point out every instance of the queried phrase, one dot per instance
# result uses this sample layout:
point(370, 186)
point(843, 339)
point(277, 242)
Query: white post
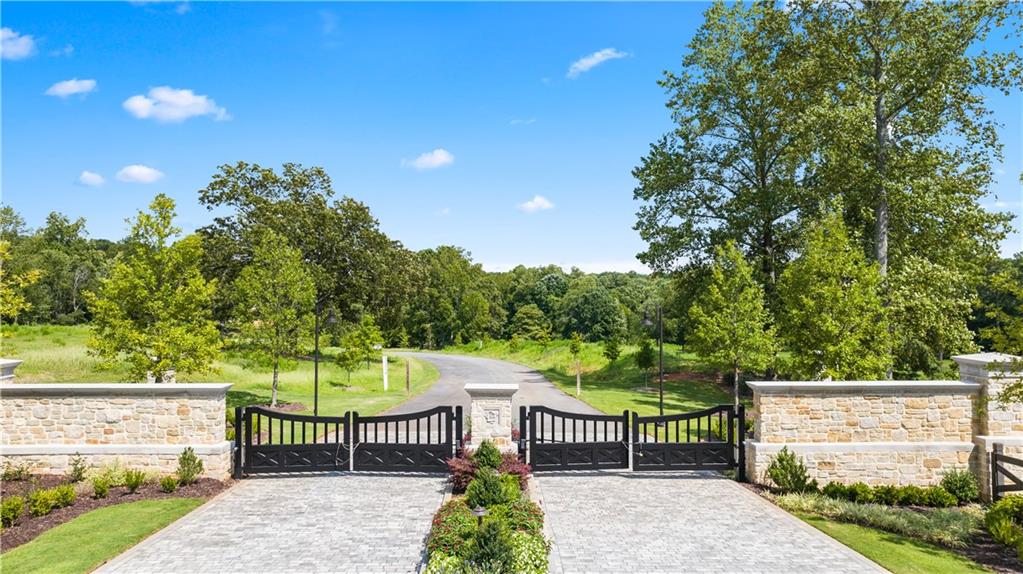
point(384, 361)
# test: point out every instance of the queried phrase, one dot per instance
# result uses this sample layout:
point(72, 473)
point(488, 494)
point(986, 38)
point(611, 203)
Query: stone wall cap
point(985, 359)
point(783, 387)
point(125, 389)
point(491, 388)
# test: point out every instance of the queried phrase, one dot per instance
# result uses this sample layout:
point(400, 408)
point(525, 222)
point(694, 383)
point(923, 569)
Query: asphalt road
point(458, 370)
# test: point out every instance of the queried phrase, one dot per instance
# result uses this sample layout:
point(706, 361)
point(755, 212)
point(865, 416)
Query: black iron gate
point(560, 440)
point(711, 439)
point(272, 441)
point(283, 442)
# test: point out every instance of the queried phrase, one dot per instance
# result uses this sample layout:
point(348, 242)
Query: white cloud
point(183, 8)
point(91, 179)
point(522, 122)
point(443, 212)
point(439, 157)
point(587, 63)
point(137, 173)
point(71, 87)
point(538, 203)
point(15, 46)
point(166, 104)
point(65, 51)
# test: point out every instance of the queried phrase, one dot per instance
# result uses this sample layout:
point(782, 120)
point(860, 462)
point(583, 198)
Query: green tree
point(1004, 310)
point(612, 349)
point(153, 310)
point(13, 284)
point(529, 322)
point(275, 294)
point(364, 340)
point(591, 310)
point(832, 319)
point(730, 168)
point(644, 357)
point(731, 326)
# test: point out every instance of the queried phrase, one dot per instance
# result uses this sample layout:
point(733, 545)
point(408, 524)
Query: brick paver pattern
point(334, 522)
point(679, 522)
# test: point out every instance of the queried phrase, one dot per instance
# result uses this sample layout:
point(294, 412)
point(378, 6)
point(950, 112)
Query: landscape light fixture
point(479, 512)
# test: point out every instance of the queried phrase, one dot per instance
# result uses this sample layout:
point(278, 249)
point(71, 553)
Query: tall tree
point(153, 310)
point(907, 138)
point(731, 326)
point(591, 310)
point(13, 285)
point(730, 168)
point(530, 323)
point(832, 319)
point(274, 295)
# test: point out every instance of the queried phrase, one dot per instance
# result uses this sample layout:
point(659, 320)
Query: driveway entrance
point(331, 522)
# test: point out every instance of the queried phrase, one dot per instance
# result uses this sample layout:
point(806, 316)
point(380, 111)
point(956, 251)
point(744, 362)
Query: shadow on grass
point(245, 398)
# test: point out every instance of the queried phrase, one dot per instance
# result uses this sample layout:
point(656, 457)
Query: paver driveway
point(331, 522)
point(679, 522)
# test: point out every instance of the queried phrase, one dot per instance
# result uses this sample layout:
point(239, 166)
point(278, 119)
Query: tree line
point(819, 200)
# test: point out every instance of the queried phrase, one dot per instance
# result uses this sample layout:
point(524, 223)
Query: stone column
point(491, 414)
point(994, 422)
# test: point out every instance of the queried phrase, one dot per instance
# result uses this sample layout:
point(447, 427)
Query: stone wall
point(137, 425)
point(886, 432)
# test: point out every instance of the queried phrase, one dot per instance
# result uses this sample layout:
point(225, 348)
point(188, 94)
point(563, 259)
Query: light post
point(660, 350)
point(479, 512)
point(316, 353)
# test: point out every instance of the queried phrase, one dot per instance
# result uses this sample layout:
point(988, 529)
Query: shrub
point(100, 487)
point(491, 549)
point(76, 473)
point(961, 484)
point(42, 502)
point(487, 455)
point(512, 464)
point(912, 496)
point(453, 527)
point(938, 497)
point(835, 490)
point(520, 515)
point(64, 495)
point(133, 479)
point(530, 553)
point(953, 528)
point(485, 490)
point(510, 487)
point(113, 474)
point(860, 492)
point(1005, 520)
point(789, 473)
point(168, 484)
point(11, 509)
point(14, 472)
point(463, 470)
point(887, 494)
point(441, 563)
point(189, 467)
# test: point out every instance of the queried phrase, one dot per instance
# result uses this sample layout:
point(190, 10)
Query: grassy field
point(57, 354)
point(87, 541)
point(614, 387)
point(898, 554)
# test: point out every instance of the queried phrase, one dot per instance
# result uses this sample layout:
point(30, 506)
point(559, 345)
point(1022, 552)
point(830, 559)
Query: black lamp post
point(660, 347)
point(316, 353)
point(479, 512)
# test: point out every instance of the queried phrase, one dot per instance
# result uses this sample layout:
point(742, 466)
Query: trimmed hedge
point(890, 495)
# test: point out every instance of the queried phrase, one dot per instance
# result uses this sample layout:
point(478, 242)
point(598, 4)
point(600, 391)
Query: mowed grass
point(898, 554)
point(91, 539)
point(614, 387)
point(58, 354)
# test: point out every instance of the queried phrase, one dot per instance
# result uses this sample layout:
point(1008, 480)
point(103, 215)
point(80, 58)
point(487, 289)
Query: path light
point(479, 512)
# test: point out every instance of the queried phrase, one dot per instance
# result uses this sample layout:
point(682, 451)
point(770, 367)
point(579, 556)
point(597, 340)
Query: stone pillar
point(7, 367)
point(491, 414)
point(994, 422)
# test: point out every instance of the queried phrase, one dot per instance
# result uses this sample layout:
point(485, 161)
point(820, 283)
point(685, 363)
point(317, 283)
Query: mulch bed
point(983, 549)
point(28, 526)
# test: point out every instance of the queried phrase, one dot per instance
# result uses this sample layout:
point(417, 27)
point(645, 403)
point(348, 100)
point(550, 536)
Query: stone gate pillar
point(490, 414)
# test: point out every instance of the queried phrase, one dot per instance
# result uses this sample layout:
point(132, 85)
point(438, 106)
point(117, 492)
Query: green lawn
point(613, 388)
point(57, 354)
point(899, 554)
point(87, 541)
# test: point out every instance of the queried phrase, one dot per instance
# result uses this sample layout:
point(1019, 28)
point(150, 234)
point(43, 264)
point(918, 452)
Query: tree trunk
point(882, 140)
point(273, 394)
point(735, 383)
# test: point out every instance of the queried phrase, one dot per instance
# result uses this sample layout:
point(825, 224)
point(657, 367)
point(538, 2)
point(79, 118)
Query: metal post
point(239, 413)
point(383, 361)
point(660, 343)
point(742, 442)
point(316, 360)
point(522, 431)
point(459, 443)
point(353, 421)
point(995, 477)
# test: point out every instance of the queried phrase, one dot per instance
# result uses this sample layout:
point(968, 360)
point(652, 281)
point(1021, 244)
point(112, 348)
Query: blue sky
point(448, 120)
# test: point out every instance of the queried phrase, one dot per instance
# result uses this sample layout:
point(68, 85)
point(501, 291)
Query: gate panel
point(414, 442)
point(701, 440)
point(283, 442)
point(561, 440)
